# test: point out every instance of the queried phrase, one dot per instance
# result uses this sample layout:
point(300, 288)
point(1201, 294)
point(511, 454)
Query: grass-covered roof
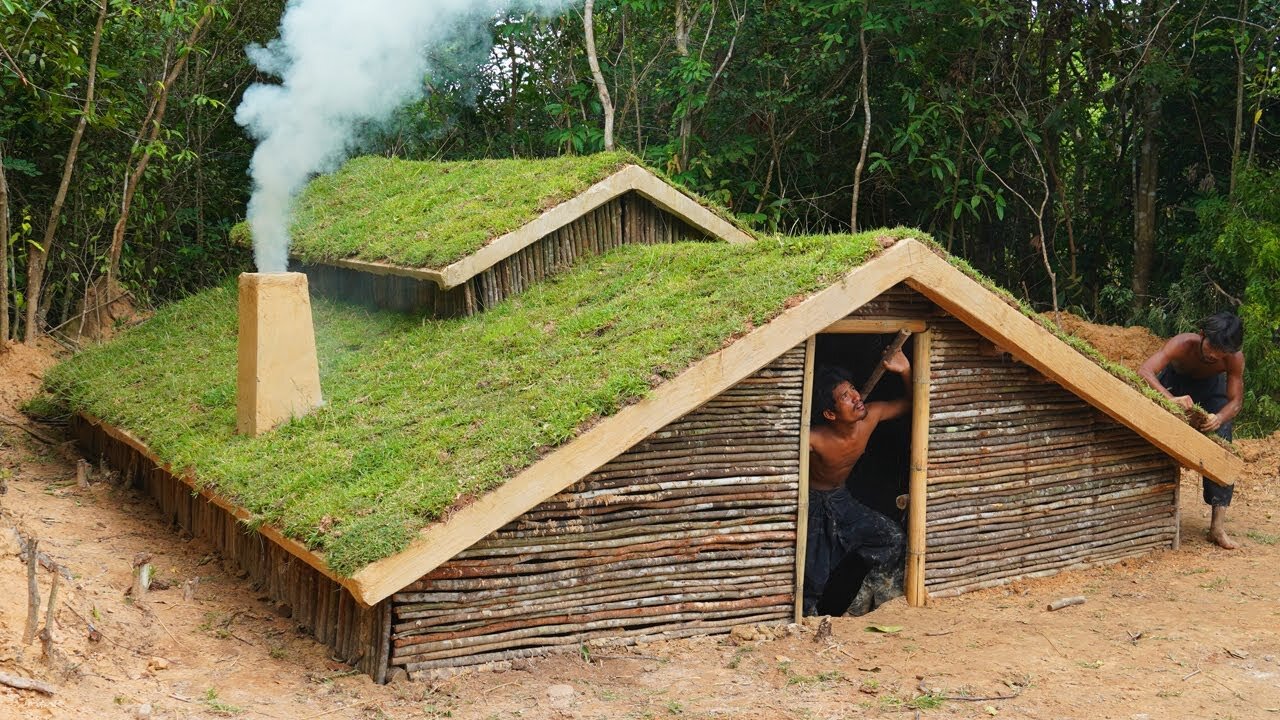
point(422, 414)
point(420, 214)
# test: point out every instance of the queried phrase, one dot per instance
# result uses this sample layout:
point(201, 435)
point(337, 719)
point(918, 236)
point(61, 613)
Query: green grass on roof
point(418, 414)
point(430, 214)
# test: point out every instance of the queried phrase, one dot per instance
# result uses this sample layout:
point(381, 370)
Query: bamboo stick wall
point(628, 219)
point(319, 606)
point(690, 532)
point(1024, 478)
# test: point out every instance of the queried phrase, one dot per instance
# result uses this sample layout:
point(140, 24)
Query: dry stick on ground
point(33, 593)
point(1065, 602)
point(971, 698)
point(22, 683)
point(46, 635)
point(28, 430)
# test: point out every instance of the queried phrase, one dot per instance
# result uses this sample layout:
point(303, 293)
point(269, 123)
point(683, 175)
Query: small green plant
point(277, 652)
point(1215, 584)
point(585, 652)
point(1262, 538)
point(927, 701)
point(1090, 664)
point(738, 655)
point(822, 677)
point(218, 707)
point(675, 707)
point(1194, 571)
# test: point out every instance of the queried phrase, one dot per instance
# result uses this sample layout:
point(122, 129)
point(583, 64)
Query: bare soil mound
point(1129, 346)
point(21, 369)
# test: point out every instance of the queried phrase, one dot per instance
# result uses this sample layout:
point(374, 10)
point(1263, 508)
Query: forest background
point(1117, 159)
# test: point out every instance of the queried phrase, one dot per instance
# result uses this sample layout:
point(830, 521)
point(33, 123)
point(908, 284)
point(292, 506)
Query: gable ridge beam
point(614, 435)
point(630, 178)
point(1032, 344)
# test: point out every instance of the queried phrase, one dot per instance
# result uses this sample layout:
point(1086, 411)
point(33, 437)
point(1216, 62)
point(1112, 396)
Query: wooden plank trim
point(618, 433)
point(995, 320)
point(919, 476)
point(293, 547)
point(852, 326)
point(630, 178)
point(802, 500)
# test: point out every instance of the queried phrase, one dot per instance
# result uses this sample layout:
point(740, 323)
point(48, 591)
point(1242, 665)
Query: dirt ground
point(1186, 634)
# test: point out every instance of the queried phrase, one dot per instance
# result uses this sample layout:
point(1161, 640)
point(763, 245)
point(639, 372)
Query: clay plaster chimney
point(278, 377)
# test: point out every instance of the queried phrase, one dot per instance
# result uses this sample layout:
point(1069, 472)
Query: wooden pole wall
point(317, 604)
point(1025, 479)
point(1022, 478)
point(692, 531)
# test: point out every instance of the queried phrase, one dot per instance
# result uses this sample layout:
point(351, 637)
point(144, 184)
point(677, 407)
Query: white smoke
point(342, 64)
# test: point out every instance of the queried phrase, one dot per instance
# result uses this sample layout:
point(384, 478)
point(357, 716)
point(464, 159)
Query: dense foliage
point(1094, 155)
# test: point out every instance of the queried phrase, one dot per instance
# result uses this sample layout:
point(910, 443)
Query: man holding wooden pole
point(839, 525)
point(1205, 368)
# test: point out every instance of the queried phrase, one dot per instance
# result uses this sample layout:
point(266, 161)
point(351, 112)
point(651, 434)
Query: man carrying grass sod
point(839, 525)
point(1205, 368)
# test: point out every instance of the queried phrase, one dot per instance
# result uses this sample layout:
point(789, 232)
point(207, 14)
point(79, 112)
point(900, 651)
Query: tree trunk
point(1238, 129)
point(601, 88)
point(866, 128)
point(682, 49)
point(149, 132)
point(4, 254)
point(37, 257)
point(1147, 165)
point(1144, 201)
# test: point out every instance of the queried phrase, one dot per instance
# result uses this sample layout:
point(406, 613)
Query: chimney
point(278, 377)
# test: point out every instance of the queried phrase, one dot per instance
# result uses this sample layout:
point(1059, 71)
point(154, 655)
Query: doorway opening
point(854, 568)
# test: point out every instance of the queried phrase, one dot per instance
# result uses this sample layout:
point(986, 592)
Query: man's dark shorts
point(840, 526)
point(1211, 394)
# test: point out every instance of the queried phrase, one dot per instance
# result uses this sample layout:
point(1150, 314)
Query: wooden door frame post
point(802, 501)
point(918, 483)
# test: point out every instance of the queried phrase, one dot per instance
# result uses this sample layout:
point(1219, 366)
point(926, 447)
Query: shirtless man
point(1207, 368)
point(838, 524)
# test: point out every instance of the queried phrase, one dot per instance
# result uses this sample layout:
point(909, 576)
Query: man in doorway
point(839, 525)
point(1205, 368)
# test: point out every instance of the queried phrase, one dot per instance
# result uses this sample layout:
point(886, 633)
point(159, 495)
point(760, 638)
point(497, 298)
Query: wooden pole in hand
point(876, 374)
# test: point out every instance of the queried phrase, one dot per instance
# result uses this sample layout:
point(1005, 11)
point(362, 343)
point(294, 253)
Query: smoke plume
point(342, 65)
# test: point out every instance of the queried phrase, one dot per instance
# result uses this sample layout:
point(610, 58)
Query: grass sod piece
point(431, 214)
point(420, 415)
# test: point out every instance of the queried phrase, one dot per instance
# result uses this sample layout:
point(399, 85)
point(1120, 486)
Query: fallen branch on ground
point(22, 683)
point(971, 698)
